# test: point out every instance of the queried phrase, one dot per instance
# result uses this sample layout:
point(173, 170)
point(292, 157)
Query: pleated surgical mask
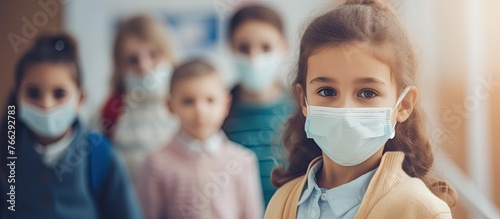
point(258, 73)
point(52, 122)
point(152, 84)
point(349, 136)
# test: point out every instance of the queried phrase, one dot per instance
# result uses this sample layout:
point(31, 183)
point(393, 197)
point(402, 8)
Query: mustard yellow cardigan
point(391, 194)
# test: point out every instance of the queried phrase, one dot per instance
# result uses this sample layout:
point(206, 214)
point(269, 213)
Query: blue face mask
point(258, 73)
point(49, 123)
point(349, 136)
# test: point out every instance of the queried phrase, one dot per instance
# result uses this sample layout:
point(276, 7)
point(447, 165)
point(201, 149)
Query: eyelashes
point(367, 94)
point(327, 92)
point(364, 93)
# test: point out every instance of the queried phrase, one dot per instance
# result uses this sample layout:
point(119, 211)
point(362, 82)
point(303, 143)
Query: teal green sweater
point(259, 128)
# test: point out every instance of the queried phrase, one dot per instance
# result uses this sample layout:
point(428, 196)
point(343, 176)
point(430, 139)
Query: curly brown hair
point(374, 24)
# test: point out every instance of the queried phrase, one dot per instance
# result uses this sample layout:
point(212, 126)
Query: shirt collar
point(341, 198)
point(311, 182)
point(52, 152)
point(211, 146)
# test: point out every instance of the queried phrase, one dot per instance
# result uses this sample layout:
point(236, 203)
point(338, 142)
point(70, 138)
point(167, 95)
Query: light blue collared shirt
point(340, 202)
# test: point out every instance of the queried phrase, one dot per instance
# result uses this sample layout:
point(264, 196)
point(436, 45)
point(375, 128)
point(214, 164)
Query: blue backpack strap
point(100, 157)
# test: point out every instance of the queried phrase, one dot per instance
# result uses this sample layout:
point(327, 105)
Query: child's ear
point(406, 106)
point(286, 45)
point(228, 104)
point(169, 104)
point(82, 98)
point(303, 105)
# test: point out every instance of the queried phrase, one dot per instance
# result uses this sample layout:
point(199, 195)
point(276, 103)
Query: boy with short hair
point(200, 173)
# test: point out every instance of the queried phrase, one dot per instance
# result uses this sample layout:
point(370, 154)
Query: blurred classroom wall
point(467, 98)
point(458, 41)
point(95, 28)
point(16, 19)
point(459, 45)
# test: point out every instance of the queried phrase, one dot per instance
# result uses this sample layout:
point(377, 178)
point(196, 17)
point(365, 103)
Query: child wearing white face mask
point(261, 104)
point(135, 116)
point(357, 144)
point(58, 168)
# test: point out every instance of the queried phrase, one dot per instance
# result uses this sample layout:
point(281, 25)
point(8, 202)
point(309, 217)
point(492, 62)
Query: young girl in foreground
point(357, 145)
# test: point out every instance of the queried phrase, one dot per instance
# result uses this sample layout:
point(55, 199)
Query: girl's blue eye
point(367, 94)
point(327, 92)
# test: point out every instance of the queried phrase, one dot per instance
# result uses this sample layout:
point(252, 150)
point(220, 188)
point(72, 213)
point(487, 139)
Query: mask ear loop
point(400, 99)
point(307, 105)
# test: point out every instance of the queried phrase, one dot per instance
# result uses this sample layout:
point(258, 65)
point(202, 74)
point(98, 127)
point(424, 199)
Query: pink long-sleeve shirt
point(212, 183)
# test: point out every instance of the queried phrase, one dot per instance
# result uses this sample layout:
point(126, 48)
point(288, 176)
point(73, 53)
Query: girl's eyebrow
point(323, 80)
point(369, 81)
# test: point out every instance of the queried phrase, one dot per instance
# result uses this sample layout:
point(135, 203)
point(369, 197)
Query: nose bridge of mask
point(71, 103)
point(259, 72)
point(389, 112)
point(49, 122)
point(157, 75)
point(155, 79)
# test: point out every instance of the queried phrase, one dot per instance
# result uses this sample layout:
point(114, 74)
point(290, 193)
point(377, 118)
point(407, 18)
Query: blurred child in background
point(135, 116)
point(200, 173)
point(62, 170)
point(260, 105)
